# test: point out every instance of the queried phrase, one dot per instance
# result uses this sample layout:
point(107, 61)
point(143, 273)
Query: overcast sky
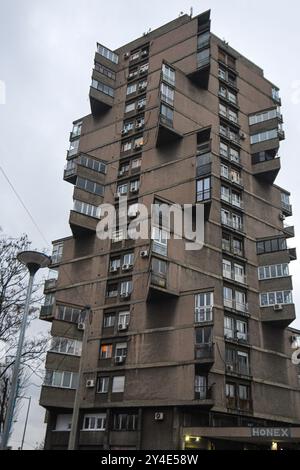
point(46, 57)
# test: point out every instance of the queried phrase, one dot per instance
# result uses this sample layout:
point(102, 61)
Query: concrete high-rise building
point(179, 349)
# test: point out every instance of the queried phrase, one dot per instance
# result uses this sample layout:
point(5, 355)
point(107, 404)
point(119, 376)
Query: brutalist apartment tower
point(155, 346)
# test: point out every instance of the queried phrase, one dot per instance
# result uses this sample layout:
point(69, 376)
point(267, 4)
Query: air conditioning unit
point(134, 190)
point(139, 125)
point(122, 327)
point(229, 368)
point(278, 307)
point(81, 326)
point(119, 359)
point(144, 254)
point(140, 105)
point(126, 55)
point(113, 269)
point(242, 136)
point(138, 146)
point(126, 267)
point(90, 383)
point(281, 216)
point(125, 295)
point(158, 416)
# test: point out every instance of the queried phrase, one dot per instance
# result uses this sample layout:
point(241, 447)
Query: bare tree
point(13, 287)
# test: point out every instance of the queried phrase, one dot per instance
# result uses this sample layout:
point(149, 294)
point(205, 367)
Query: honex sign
point(271, 432)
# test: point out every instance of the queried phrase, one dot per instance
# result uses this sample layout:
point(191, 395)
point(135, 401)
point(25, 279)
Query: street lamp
point(33, 260)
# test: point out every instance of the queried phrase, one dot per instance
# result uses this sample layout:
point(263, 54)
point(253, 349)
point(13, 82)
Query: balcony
point(232, 224)
point(238, 405)
point(286, 209)
point(163, 287)
point(238, 307)
point(82, 224)
point(204, 352)
point(279, 315)
point(166, 133)
point(236, 337)
point(292, 252)
point(47, 312)
point(267, 170)
point(203, 314)
point(237, 368)
point(232, 179)
point(233, 250)
point(205, 395)
point(289, 231)
point(232, 276)
point(229, 199)
point(101, 97)
point(50, 284)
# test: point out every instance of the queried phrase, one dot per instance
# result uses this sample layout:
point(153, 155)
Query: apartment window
point(69, 314)
point(227, 59)
point(160, 241)
point(203, 307)
point(118, 384)
point(66, 346)
point(122, 188)
point(141, 103)
point(133, 210)
point(105, 71)
point(49, 300)
point(168, 74)
point(203, 189)
point(274, 298)
point(228, 94)
point(134, 186)
point(90, 186)
point(92, 164)
point(76, 131)
point(126, 146)
point(134, 56)
point(107, 90)
point(203, 57)
point(126, 288)
point(231, 219)
point(131, 88)
point(239, 360)
point(275, 94)
point(228, 152)
point(159, 266)
point(230, 133)
point(227, 76)
point(128, 259)
point(94, 422)
point(230, 390)
point(201, 386)
point(86, 209)
point(123, 319)
point(107, 53)
point(63, 422)
point(273, 271)
point(167, 94)
point(136, 163)
point(271, 245)
point(61, 379)
point(203, 335)
point(234, 299)
point(203, 40)
point(138, 142)
point(142, 85)
point(128, 126)
point(74, 146)
point(129, 107)
point(285, 200)
point(109, 320)
point(225, 193)
point(263, 136)
point(264, 116)
point(144, 68)
point(57, 252)
point(112, 290)
point(121, 350)
point(125, 422)
point(102, 384)
point(106, 351)
point(235, 329)
point(167, 114)
point(228, 113)
point(234, 271)
point(115, 264)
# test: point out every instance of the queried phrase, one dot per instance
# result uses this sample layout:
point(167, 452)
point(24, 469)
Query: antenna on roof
point(191, 12)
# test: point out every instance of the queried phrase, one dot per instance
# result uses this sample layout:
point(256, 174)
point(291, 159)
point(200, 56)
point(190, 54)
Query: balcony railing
point(238, 368)
point(204, 351)
point(287, 208)
point(241, 278)
point(231, 200)
point(235, 305)
point(226, 246)
point(204, 392)
point(232, 223)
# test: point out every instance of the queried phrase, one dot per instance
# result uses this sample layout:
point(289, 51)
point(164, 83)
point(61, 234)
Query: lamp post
point(33, 260)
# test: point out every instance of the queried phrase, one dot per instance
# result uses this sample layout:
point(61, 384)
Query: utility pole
point(26, 420)
point(78, 395)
